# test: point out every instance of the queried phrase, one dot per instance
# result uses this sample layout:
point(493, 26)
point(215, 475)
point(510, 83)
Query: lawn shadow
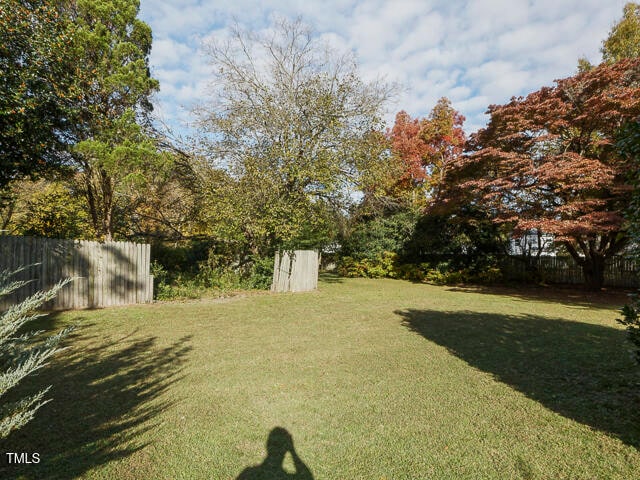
point(579, 370)
point(570, 295)
point(105, 394)
point(279, 442)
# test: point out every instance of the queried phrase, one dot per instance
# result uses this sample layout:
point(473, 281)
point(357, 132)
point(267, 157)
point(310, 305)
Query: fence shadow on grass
point(579, 370)
point(105, 395)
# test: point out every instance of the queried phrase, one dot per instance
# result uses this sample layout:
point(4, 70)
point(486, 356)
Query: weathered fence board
point(106, 274)
point(295, 271)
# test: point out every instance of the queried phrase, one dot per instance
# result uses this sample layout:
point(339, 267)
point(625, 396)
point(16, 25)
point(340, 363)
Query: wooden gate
point(295, 271)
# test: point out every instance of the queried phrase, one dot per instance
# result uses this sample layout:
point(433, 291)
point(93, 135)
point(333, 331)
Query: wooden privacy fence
point(295, 271)
point(106, 274)
point(619, 271)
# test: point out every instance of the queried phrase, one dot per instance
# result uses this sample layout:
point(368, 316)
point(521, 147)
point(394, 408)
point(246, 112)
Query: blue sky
point(476, 52)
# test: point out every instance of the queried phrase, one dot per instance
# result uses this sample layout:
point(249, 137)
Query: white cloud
point(476, 53)
point(168, 52)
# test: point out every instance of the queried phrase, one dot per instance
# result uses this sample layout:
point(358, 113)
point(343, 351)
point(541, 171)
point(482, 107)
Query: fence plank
point(149, 279)
point(100, 276)
point(144, 272)
point(139, 277)
point(131, 274)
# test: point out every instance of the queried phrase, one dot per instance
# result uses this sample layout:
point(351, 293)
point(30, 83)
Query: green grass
point(372, 378)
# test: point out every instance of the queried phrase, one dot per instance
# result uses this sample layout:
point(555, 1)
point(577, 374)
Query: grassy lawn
point(373, 379)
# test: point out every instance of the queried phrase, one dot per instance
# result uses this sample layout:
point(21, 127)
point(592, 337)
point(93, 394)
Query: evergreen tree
point(23, 352)
point(629, 145)
point(624, 42)
point(111, 149)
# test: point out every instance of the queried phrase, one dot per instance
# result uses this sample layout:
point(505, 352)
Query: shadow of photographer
point(279, 443)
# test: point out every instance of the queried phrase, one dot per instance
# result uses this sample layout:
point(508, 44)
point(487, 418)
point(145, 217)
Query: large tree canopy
point(36, 74)
point(549, 162)
point(292, 122)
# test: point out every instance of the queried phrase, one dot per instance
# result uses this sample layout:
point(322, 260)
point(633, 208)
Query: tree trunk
point(593, 270)
point(8, 213)
point(592, 263)
point(107, 187)
point(91, 200)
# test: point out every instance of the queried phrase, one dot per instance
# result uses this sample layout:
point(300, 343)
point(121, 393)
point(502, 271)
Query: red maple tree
point(549, 162)
point(427, 148)
point(407, 144)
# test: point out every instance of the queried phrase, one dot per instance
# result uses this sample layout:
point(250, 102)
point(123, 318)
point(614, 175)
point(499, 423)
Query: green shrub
point(443, 274)
point(254, 274)
point(383, 265)
point(182, 259)
point(261, 274)
point(444, 267)
point(197, 268)
point(436, 277)
point(372, 236)
point(409, 271)
point(349, 267)
point(488, 275)
point(179, 289)
point(386, 265)
point(159, 273)
point(631, 320)
point(466, 238)
point(439, 276)
point(456, 277)
point(218, 278)
point(174, 287)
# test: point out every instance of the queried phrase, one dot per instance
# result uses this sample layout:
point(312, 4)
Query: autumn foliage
point(549, 162)
point(410, 147)
point(426, 149)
